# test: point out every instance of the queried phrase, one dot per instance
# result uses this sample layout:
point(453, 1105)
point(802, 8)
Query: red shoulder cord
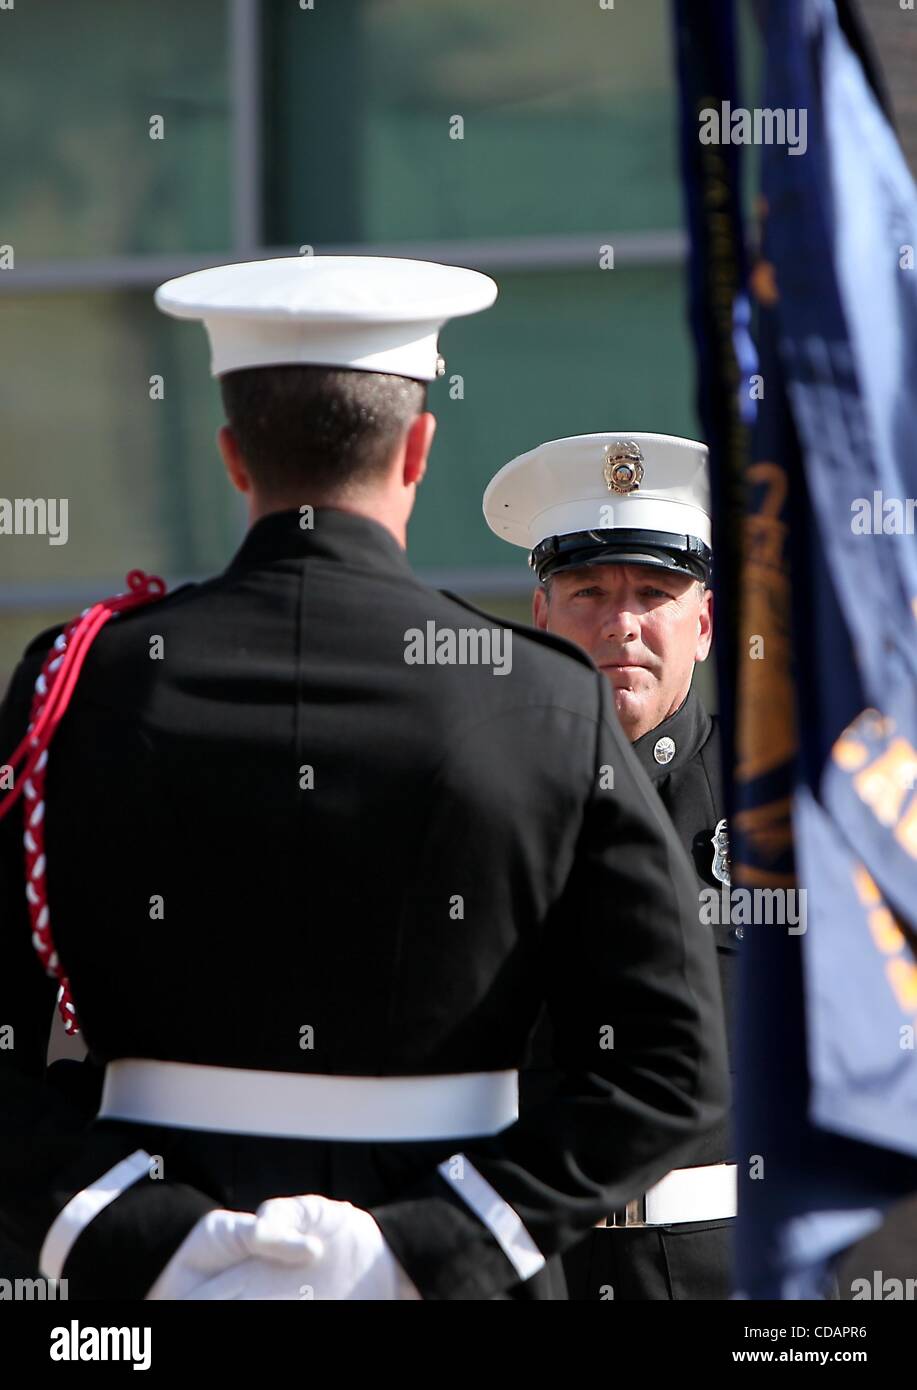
point(53, 690)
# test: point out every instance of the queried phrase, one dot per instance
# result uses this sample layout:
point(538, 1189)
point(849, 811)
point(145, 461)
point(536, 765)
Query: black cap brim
point(690, 556)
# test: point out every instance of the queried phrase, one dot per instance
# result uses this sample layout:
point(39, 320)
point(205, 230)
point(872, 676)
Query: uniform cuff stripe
point(504, 1224)
point(72, 1219)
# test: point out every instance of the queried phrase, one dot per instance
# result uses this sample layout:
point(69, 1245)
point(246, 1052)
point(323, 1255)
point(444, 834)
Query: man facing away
point(315, 870)
point(618, 528)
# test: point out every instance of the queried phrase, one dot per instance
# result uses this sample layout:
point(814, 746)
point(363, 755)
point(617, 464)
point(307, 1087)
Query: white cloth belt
point(298, 1105)
point(693, 1194)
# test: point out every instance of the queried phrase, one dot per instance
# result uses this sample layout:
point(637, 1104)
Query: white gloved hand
point(292, 1248)
point(220, 1240)
point(310, 1247)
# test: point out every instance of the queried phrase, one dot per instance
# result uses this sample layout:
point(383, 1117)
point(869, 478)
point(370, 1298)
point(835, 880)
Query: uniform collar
point(686, 730)
point(334, 535)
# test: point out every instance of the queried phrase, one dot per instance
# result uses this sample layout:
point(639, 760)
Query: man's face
point(643, 627)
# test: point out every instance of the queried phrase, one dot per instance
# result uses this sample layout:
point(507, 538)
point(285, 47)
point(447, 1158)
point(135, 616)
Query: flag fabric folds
point(824, 681)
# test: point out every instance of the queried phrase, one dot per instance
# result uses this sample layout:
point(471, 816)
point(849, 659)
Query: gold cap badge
point(623, 470)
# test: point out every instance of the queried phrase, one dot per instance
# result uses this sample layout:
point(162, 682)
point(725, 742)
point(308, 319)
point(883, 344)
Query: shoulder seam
point(538, 635)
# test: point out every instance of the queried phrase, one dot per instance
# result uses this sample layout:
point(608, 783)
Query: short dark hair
point(319, 429)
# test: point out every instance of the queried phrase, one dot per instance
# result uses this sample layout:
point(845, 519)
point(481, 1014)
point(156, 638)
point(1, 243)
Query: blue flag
point(825, 757)
point(719, 309)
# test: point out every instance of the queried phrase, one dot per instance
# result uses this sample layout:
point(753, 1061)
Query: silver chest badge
point(664, 750)
point(623, 470)
point(721, 862)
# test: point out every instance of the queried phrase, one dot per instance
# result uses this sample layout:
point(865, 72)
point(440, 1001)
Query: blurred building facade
point(139, 141)
point(337, 128)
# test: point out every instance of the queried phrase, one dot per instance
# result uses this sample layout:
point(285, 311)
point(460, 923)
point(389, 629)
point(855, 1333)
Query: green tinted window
point(79, 85)
point(567, 109)
point(84, 421)
point(569, 132)
point(560, 353)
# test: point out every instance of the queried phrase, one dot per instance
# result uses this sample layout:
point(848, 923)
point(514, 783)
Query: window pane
point(144, 483)
point(561, 353)
point(568, 120)
point(79, 83)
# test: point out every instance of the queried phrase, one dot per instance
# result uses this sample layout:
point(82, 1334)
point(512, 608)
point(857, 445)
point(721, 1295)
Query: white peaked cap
point(370, 313)
point(569, 486)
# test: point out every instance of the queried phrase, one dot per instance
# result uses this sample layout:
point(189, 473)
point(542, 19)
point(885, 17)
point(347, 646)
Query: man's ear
point(234, 463)
point(417, 448)
point(540, 608)
point(705, 626)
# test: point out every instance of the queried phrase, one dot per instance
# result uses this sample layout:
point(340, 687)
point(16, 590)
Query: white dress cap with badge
point(369, 313)
point(640, 499)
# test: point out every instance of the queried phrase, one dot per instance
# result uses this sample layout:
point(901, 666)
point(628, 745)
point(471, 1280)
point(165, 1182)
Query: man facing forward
point(618, 528)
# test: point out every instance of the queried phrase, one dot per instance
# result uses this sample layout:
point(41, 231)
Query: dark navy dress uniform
point(328, 911)
point(642, 500)
point(689, 1259)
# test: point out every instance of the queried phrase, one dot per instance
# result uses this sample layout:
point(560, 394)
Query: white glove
point(310, 1247)
point(305, 1247)
point(219, 1240)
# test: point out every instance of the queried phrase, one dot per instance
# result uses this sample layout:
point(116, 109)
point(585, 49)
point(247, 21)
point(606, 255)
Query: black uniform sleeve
point(634, 1002)
point(44, 1155)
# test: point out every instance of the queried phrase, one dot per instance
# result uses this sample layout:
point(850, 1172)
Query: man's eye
point(583, 593)
point(654, 593)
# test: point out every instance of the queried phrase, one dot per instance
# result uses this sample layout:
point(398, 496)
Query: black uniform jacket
point(692, 1259)
point(466, 846)
point(690, 786)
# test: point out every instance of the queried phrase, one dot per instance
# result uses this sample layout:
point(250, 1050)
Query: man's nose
point(619, 623)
